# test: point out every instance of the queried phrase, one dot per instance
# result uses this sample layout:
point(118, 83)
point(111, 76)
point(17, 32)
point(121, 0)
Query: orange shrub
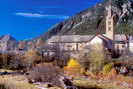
point(111, 75)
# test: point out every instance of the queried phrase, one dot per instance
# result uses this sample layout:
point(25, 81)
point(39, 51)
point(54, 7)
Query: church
point(110, 40)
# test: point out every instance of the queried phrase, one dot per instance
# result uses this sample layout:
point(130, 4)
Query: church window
point(117, 46)
point(109, 22)
point(109, 28)
point(122, 51)
point(69, 45)
point(123, 46)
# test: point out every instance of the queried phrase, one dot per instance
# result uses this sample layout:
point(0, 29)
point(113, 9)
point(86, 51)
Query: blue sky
point(26, 19)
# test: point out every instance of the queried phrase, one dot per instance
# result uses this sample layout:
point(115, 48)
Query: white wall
point(131, 46)
point(96, 40)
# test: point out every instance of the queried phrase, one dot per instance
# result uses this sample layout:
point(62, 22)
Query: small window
point(122, 51)
point(123, 46)
point(69, 45)
point(117, 46)
point(109, 28)
point(109, 22)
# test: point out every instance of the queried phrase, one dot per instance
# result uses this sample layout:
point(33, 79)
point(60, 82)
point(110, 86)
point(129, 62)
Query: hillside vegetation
point(92, 20)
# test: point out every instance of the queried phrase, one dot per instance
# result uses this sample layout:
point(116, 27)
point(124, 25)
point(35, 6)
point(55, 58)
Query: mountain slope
point(92, 20)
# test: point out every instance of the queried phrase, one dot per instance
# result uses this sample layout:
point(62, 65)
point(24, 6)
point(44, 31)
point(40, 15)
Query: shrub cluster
point(94, 59)
point(16, 61)
point(10, 61)
point(45, 73)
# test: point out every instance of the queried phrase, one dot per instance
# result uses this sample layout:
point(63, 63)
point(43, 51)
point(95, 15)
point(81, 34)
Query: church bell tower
point(110, 24)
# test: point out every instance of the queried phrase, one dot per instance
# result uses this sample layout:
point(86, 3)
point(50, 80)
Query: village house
point(7, 43)
point(110, 40)
point(77, 42)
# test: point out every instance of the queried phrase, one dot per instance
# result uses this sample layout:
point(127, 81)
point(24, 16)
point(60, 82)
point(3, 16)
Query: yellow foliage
point(107, 68)
point(72, 66)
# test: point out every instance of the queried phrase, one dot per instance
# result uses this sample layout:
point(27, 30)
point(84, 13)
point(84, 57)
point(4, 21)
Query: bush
point(30, 58)
point(45, 73)
point(107, 68)
point(5, 60)
point(72, 67)
point(94, 59)
point(16, 62)
point(61, 58)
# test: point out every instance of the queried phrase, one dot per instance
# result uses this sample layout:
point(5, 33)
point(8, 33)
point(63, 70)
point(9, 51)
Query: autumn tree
point(94, 59)
point(61, 56)
point(4, 57)
point(31, 58)
point(16, 62)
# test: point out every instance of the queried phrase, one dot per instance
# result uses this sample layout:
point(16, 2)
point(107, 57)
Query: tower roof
point(110, 11)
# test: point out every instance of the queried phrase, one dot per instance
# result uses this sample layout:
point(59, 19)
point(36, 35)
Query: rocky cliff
point(92, 20)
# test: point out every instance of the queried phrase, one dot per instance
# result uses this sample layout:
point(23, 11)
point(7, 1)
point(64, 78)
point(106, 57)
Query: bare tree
point(5, 60)
point(16, 62)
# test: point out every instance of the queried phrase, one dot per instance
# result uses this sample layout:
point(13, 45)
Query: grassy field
point(15, 82)
point(20, 82)
point(90, 83)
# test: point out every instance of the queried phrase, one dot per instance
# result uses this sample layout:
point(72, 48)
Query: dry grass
point(90, 83)
point(111, 81)
point(15, 82)
point(9, 71)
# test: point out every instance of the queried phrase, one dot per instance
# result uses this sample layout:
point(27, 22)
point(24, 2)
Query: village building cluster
point(110, 40)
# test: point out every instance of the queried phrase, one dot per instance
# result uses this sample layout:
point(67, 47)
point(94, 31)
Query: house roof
point(83, 38)
point(80, 38)
point(1, 37)
point(86, 38)
point(6, 38)
point(70, 38)
point(119, 37)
